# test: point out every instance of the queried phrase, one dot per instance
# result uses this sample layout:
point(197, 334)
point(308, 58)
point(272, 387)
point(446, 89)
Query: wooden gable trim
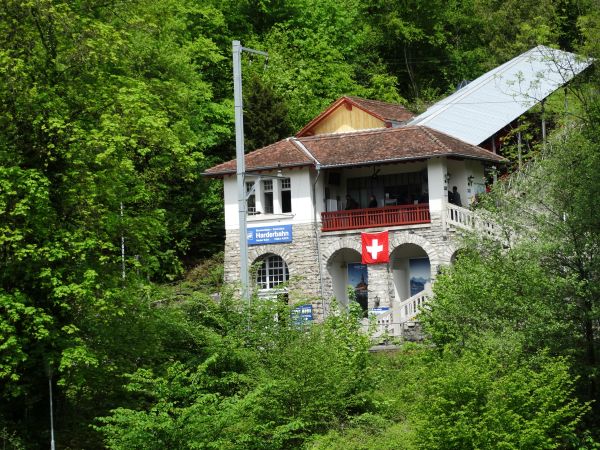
point(347, 102)
point(371, 113)
point(307, 130)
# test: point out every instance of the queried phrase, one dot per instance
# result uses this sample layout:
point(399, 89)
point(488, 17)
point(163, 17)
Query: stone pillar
point(378, 285)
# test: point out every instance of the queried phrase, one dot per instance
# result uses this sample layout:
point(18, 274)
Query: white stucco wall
point(302, 210)
point(436, 170)
point(460, 172)
point(303, 179)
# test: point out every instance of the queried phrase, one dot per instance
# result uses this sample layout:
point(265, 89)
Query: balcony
point(375, 217)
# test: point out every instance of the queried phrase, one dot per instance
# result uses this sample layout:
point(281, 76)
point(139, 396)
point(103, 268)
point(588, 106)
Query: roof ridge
point(297, 143)
point(434, 138)
point(373, 100)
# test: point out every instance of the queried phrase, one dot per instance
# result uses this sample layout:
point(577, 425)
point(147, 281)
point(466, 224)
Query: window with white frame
point(267, 188)
point(271, 272)
point(286, 195)
point(251, 199)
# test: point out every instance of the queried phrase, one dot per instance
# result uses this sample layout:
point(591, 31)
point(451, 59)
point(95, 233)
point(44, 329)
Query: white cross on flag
point(375, 248)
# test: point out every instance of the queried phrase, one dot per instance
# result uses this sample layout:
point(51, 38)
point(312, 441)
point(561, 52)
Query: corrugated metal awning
point(492, 101)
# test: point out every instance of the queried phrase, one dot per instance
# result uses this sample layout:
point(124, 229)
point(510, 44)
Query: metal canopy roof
point(489, 103)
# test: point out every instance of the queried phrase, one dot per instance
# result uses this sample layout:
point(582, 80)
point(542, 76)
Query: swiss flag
point(375, 248)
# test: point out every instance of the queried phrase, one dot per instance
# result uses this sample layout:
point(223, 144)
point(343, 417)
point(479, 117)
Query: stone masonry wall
point(302, 259)
point(300, 256)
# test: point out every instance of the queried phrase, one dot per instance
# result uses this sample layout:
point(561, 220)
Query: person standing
point(351, 203)
point(372, 202)
point(455, 197)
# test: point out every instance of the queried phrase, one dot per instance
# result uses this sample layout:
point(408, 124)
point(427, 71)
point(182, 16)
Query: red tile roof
point(390, 144)
point(359, 148)
point(280, 154)
point(386, 112)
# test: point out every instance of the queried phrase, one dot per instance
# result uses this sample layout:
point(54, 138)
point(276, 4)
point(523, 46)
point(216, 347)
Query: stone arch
point(455, 253)
point(449, 252)
point(404, 246)
point(256, 252)
point(329, 248)
point(399, 239)
point(337, 273)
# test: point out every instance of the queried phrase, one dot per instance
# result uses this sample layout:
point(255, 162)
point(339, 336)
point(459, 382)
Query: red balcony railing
point(375, 217)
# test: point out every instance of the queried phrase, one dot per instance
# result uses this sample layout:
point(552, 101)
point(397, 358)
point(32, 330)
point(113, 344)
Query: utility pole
point(544, 124)
point(240, 160)
point(52, 443)
point(49, 373)
point(122, 246)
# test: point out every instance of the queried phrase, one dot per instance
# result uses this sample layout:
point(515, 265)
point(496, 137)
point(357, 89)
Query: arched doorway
point(345, 269)
point(411, 270)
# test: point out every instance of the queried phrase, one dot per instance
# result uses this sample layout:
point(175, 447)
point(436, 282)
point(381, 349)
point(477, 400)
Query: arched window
point(272, 272)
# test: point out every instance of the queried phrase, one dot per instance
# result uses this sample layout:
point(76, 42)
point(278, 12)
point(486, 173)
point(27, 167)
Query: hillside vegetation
point(110, 111)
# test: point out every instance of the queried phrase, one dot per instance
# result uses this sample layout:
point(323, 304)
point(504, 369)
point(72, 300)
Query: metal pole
point(520, 150)
point(52, 444)
point(122, 246)
point(544, 124)
point(240, 160)
point(241, 165)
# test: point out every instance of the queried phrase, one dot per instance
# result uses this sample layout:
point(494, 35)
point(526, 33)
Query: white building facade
point(302, 234)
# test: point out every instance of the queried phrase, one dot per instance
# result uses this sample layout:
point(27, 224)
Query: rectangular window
point(268, 196)
point(251, 200)
point(286, 195)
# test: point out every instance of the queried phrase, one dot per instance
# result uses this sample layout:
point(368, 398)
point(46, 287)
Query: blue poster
point(358, 279)
point(420, 274)
point(270, 235)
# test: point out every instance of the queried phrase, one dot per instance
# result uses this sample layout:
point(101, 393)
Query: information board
point(302, 314)
point(270, 235)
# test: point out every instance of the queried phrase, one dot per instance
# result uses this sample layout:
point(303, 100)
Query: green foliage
point(492, 397)
point(334, 43)
point(265, 115)
point(540, 292)
point(491, 291)
point(21, 325)
point(268, 386)
point(368, 431)
point(126, 103)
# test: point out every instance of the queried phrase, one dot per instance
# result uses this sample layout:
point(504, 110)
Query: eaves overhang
point(453, 155)
point(224, 173)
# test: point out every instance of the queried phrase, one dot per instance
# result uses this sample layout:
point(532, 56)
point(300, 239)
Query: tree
point(320, 54)
point(543, 289)
point(492, 397)
point(265, 115)
point(106, 112)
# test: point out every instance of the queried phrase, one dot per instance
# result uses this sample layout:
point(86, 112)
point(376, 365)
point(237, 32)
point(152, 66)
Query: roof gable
point(355, 113)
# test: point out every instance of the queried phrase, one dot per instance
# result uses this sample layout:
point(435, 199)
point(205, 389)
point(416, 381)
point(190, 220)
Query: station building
point(363, 167)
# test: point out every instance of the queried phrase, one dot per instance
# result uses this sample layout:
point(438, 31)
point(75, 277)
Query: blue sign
point(270, 235)
point(380, 310)
point(302, 314)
